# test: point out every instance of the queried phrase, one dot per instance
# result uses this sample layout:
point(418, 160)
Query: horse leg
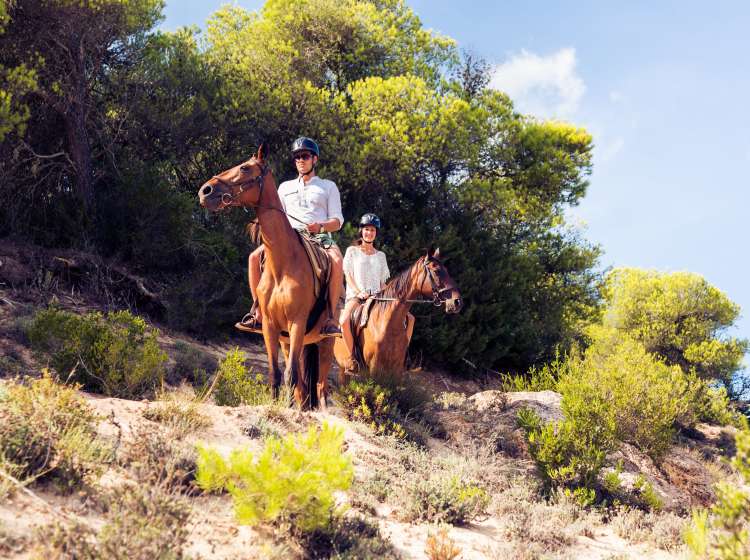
point(294, 366)
point(325, 360)
point(271, 339)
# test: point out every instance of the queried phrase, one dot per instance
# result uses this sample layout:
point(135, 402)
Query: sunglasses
point(303, 156)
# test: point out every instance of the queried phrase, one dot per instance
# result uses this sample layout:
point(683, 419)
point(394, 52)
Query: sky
point(664, 87)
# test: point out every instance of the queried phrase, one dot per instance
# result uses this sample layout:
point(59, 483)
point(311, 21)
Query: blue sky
point(664, 87)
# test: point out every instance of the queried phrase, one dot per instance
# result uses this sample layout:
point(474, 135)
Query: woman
point(365, 270)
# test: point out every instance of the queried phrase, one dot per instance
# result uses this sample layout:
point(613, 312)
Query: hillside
point(467, 431)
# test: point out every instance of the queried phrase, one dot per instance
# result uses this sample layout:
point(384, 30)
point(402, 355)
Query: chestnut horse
point(384, 339)
point(285, 291)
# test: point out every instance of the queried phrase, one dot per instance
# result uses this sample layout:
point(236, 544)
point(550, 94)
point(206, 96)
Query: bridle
point(257, 181)
point(440, 293)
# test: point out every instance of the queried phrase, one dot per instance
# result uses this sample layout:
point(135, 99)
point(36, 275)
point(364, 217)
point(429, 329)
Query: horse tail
point(312, 359)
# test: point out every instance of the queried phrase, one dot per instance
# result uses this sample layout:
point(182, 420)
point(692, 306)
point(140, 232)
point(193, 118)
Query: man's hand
point(313, 227)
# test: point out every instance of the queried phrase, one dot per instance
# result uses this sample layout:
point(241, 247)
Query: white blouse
point(369, 272)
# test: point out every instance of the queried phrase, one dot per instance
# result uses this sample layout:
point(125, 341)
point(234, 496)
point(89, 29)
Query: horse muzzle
point(454, 304)
point(210, 198)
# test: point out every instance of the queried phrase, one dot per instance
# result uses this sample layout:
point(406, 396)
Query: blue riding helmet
point(303, 143)
point(370, 220)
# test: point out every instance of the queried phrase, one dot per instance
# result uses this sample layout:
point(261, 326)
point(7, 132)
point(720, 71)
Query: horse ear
point(262, 151)
point(436, 254)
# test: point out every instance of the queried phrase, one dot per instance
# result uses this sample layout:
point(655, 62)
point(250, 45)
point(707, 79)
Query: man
point(312, 204)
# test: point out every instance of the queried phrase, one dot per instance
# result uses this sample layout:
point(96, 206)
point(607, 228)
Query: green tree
point(678, 316)
point(69, 46)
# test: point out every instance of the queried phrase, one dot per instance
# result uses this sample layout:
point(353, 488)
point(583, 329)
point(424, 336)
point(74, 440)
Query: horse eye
point(244, 168)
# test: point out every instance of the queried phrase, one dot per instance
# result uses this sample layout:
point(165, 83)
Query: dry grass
point(662, 530)
point(182, 417)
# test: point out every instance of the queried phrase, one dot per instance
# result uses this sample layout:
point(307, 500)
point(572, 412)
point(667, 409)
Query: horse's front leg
point(271, 338)
point(325, 361)
point(293, 374)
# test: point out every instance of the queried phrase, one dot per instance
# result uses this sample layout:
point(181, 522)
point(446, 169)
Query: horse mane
point(399, 286)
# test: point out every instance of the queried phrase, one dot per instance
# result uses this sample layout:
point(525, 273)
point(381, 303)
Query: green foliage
point(721, 533)
point(567, 455)
point(190, 364)
point(647, 495)
point(117, 354)
point(678, 316)
point(237, 386)
point(403, 127)
point(543, 378)
point(445, 498)
point(291, 481)
point(48, 432)
point(618, 388)
point(371, 404)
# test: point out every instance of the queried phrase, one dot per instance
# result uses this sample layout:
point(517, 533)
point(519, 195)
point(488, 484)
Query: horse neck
point(412, 291)
point(278, 235)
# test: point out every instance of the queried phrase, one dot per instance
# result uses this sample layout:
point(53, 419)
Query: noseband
point(440, 294)
point(257, 181)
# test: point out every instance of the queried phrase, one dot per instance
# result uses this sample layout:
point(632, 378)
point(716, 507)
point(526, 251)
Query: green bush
point(47, 431)
point(116, 354)
point(371, 404)
point(721, 533)
point(567, 456)
point(190, 364)
point(291, 481)
point(445, 498)
point(542, 378)
point(237, 386)
point(617, 389)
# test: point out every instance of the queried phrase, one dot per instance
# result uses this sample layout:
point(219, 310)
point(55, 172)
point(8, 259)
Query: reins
point(436, 301)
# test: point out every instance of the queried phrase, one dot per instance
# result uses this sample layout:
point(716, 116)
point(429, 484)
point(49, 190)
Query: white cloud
point(545, 86)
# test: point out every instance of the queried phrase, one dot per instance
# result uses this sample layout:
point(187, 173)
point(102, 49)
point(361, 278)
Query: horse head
point(242, 185)
point(438, 284)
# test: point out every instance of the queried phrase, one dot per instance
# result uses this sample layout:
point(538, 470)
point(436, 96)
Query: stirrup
point(250, 323)
point(330, 328)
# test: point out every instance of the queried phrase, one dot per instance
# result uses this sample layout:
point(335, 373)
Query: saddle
point(358, 321)
point(321, 268)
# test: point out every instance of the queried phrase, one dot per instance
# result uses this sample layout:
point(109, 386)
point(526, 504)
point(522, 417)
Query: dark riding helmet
point(304, 143)
point(370, 220)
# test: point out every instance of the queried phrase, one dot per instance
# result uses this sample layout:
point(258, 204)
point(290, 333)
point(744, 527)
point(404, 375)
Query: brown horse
point(285, 291)
point(384, 339)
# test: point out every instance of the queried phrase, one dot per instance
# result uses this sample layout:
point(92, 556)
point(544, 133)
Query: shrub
point(446, 498)
point(440, 546)
point(567, 456)
point(236, 386)
point(48, 431)
point(143, 522)
point(618, 389)
point(181, 417)
point(348, 538)
point(155, 458)
point(191, 364)
point(116, 354)
point(722, 533)
point(291, 481)
point(543, 378)
point(371, 404)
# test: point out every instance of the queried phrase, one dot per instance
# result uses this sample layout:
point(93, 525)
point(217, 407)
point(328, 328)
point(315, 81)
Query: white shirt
point(317, 201)
point(369, 272)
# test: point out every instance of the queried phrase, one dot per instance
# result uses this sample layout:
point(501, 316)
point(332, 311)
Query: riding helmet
point(305, 143)
point(370, 220)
